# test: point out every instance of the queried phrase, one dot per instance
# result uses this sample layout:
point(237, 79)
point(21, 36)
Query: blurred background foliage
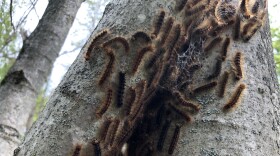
point(17, 21)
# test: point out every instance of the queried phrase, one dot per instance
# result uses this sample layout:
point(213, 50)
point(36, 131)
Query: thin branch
point(33, 6)
point(11, 14)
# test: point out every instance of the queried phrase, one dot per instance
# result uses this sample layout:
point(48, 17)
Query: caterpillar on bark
point(111, 133)
point(104, 128)
point(235, 98)
point(186, 116)
point(121, 87)
point(162, 135)
point(140, 56)
point(217, 70)
point(109, 66)
point(77, 150)
point(186, 103)
point(142, 35)
point(174, 139)
point(104, 106)
point(119, 39)
point(213, 43)
point(204, 87)
point(96, 145)
point(225, 48)
point(166, 30)
point(158, 24)
point(238, 66)
point(93, 43)
point(223, 84)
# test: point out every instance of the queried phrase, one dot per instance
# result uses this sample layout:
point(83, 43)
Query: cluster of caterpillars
point(164, 97)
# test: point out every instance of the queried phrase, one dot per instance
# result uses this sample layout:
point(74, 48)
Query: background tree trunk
point(20, 88)
point(70, 119)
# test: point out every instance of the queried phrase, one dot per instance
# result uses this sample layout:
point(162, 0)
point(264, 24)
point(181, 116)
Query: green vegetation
point(275, 34)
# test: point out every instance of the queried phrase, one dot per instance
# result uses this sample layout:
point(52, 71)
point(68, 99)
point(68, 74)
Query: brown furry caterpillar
point(213, 43)
point(225, 47)
point(225, 12)
point(142, 35)
point(204, 87)
point(166, 30)
point(111, 133)
point(97, 150)
point(137, 105)
point(104, 106)
point(130, 96)
point(121, 87)
point(104, 128)
point(186, 103)
point(119, 39)
point(172, 40)
point(157, 54)
point(216, 30)
point(235, 98)
point(162, 135)
point(217, 70)
point(223, 84)
point(174, 139)
point(94, 41)
point(238, 64)
point(158, 24)
point(190, 12)
point(180, 5)
point(109, 66)
point(255, 7)
point(77, 150)
point(243, 9)
point(249, 30)
point(140, 56)
point(184, 114)
point(236, 29)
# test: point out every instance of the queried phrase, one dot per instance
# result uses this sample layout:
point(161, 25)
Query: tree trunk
point(164, 95)
point(20, 88)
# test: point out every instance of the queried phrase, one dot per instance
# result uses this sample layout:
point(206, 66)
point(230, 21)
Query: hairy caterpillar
point(109, 66)
point(237, 62)
point(244, 10)
point(213, 43)
point(93, 42)
point(180, 5)
point(166, 30)
point(186, 103)
point(233, 102)
point(225, 12)
point(158, 24)
point(130, 98)
point(255, 7)
point(104, 106)
point(155, 56)
point(190, 12)
point(121, 89)
point(236, 28)
point(111, 133)
point(140, 56)
point(137, 105)
point(97, 150)
point(217, 70)
point(249, 30)
point(204, 87)
point(181, 112)
point(223, 84)
point(174, 139)
point(104, 128)
point(216, 30)
point(225, 47)
point(142, 35)
point(77, 150)
point(163, 134)
point(172, 40)
point(119, 39)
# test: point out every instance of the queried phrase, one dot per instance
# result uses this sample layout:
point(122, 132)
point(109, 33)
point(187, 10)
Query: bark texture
point(20, 88)
point(170, 113)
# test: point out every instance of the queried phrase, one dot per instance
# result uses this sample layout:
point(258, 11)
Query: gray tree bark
point(20, 88)
point(72, 120)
